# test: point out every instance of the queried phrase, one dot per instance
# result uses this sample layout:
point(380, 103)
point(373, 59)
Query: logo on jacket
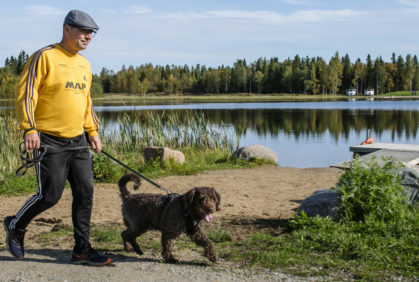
point(76, 85)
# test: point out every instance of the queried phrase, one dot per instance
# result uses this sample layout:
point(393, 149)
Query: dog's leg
point(130, 241)
point(201, 239)
point(166, 243)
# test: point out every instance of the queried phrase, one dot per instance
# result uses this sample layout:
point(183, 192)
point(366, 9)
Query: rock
point(256, 151)
point(410, 183)
point(322, 202)
point(163, 154)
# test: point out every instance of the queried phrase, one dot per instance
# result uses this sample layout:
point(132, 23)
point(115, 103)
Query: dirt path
point(252, 199)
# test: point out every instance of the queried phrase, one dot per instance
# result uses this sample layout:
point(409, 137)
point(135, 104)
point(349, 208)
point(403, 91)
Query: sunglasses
point(85, 31)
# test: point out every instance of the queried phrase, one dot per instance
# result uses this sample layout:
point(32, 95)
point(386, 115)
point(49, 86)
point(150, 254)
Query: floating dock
point(407, 154)
point(370, 148)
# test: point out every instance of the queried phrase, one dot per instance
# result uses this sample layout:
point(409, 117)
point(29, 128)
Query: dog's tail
point(122, 183)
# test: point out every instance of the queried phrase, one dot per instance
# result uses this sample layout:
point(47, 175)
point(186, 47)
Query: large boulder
point(410, 183)
point(257, 152)
point(163, 154)
point(322, 203)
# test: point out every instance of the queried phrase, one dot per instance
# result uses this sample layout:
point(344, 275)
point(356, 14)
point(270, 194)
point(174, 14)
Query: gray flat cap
point(80, 19)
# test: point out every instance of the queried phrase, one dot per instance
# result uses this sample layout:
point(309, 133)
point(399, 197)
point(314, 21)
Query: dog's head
point(202, 202)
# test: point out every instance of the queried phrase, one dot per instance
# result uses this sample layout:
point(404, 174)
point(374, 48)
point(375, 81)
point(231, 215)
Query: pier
point(407, 154)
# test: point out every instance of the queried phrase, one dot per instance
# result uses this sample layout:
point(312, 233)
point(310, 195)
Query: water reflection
point(301, 123)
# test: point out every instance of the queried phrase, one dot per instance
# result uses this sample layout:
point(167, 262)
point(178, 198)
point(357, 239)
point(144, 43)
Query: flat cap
point(80, 19)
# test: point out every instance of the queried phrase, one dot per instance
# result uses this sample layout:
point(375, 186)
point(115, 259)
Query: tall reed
point(135, 132)
point(10, 137)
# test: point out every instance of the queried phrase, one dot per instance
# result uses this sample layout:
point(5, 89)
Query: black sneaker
point(90, 257)
point(14, 239)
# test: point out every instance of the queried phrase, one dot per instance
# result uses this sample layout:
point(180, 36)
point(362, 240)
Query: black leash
point(136, 173)
point(28, 162)
point(37, 155)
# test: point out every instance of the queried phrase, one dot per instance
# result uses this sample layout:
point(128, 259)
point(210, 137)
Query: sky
point(216, 32)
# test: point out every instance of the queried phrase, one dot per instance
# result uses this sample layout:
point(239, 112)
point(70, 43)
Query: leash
point(37, 155)
point(136, 173)
point(130, 169)
point(28, 162)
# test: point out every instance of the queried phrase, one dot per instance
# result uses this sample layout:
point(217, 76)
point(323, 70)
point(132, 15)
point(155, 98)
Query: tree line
point(298, 75)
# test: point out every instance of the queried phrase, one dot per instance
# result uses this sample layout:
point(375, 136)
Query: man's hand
point(95, 143)
point(32, 141)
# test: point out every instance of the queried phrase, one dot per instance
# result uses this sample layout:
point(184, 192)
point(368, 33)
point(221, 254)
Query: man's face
point(79, 38)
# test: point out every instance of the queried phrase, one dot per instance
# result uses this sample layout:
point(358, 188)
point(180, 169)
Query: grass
point(13, 185)
point(374, 238)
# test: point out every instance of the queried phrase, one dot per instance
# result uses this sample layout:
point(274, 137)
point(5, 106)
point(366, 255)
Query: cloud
point(303, 2)
point(325, 15)
point(137, 10)
point(266, 16)
point(44, 10)
point(412, 3)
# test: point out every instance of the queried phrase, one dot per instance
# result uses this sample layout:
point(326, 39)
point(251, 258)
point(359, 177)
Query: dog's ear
point(188, 198)
point(217, 199)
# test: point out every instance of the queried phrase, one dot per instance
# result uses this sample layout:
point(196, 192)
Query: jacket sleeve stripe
point(30, 81)
point(95, 118)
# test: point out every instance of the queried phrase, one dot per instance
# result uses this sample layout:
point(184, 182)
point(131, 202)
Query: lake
point(302, 134)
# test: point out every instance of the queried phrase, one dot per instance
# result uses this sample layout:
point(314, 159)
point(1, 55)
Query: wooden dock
point(407, 154)
point(370, 148)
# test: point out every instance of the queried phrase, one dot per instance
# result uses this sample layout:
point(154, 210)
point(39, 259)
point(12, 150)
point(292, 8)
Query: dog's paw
point(212, 258)
point(128, 247)
point(171, 260)
point(211, 255)
point(140, 252)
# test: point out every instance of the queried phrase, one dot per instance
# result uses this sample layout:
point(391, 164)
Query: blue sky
point(217, 32)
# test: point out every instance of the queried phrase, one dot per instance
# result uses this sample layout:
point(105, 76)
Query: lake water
point(302, 134)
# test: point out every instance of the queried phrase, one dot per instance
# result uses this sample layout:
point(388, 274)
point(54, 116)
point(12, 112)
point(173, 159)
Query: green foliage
point(219, 236)
point(377, 228)
point(299, 75)
point(104, 169)
point(13, 185)
point(374, 239)
point(96, 90)
point(10, 136)
point(372, 191)
point(8, 83)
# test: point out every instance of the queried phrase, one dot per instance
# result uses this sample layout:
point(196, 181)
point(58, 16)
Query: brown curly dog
point(172, 214)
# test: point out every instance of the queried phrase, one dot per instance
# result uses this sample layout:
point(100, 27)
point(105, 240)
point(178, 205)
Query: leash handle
point(136, 173)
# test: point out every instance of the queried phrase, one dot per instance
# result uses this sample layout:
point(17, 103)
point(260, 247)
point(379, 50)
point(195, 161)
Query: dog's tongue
point(208, 217)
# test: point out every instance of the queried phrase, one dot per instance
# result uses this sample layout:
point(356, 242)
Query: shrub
point(372, 191)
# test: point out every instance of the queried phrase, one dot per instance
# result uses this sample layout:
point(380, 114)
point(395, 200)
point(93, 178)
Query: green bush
point(376, 229)
point(372, 191)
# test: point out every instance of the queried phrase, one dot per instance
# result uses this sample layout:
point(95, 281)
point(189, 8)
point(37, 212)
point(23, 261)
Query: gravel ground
point(54, 265)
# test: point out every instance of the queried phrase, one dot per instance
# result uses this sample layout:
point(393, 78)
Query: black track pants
point(60, 163)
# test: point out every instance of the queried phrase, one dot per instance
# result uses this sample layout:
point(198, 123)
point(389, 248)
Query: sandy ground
point(251, 199)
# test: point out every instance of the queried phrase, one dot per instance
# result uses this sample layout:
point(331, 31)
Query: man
point(55, 109)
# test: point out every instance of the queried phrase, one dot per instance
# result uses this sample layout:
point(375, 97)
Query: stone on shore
point(257, 152)
point(322, 203)
point(163, 154)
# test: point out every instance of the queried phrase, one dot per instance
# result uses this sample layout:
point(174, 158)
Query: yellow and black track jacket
point(53, 94)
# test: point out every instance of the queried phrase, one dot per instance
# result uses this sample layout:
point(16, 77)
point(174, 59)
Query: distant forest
point(305, 75)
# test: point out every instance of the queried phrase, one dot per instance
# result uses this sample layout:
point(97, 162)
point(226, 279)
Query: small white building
point(351, 92)
point(369, 91)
